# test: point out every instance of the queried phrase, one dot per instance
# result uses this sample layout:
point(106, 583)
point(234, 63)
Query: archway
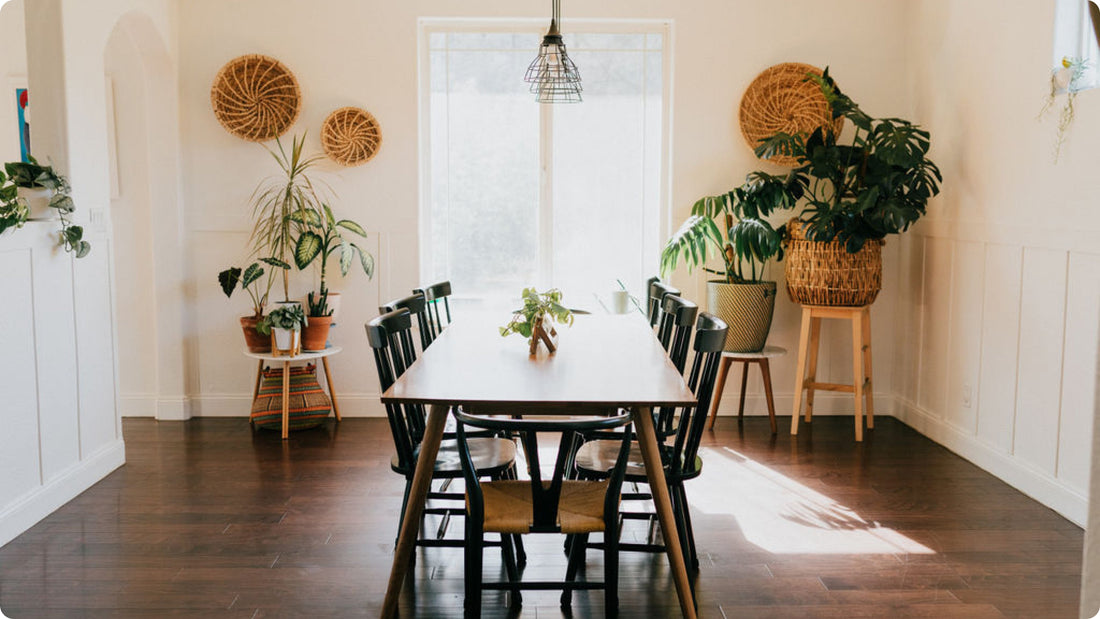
point(143, 147)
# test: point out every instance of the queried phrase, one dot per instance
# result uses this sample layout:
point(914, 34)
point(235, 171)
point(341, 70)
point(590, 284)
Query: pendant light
point(552, 75)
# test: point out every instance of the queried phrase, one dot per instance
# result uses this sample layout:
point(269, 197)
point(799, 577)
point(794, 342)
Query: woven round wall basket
point(820, 273)
point(256, 98)
point(351, 136)
point(781, 99)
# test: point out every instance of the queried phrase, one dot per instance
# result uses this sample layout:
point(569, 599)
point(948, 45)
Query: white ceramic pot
point(286, 341)
point(38, 203)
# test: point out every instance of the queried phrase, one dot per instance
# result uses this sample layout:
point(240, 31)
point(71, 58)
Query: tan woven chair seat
point(510, 509)
point(597, 457)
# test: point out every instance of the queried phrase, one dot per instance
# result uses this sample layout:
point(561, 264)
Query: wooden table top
point(603, 362)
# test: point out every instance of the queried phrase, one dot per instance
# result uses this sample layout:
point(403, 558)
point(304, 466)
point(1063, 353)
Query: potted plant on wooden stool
point(284, 325)
point(733, 225)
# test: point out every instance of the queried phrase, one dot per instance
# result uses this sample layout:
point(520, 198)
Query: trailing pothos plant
point(321, 237)
point(878, 184)
point(249, 279)
point(32, 175)
point(537, 307)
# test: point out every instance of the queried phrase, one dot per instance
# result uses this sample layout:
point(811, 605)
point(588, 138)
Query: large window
point(1075, 39)
point(517, 193)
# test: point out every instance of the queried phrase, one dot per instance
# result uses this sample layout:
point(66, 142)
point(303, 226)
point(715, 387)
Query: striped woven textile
point(309, 405)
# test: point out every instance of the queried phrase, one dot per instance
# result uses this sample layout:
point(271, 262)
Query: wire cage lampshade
point(553, 76)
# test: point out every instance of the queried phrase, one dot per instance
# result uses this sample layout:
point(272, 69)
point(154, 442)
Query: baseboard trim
point(1037, 484)
point(27, 510)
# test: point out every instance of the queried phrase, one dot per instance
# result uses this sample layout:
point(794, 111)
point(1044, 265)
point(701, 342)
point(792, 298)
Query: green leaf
point(346, 254)
point(82, 249)
point(228, 280)
point(62, 203)
point(329, 218)
point(73, 234)
point(253, 272)
point(305, 216)
point(366, 260)
point(275, 262)
point(308, 247)
point(348, 224)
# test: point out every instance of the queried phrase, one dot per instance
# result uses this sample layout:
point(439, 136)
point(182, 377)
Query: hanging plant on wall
point(31, 191)
point(1067, 79)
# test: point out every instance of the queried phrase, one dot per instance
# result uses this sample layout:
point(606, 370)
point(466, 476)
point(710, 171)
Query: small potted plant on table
point(320, 238)
point(284, 325)
point(535, 320)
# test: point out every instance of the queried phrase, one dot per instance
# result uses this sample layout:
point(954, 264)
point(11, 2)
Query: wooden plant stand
point(862, 385)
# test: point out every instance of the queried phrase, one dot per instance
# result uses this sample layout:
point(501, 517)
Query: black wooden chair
point(436, 295)
point(677, 317)
point(681, 457)
point(390, 337)
point(557, 505)
point(418, 309)
point(656, 292)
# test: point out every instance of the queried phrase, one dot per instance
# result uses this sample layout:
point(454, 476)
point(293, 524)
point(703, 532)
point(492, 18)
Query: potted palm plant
point(732, 225)
point(280, 205)
point(321, 237)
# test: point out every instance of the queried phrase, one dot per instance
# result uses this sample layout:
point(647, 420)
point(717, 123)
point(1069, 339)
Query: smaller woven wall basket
point(782, 99)
point(309, 404)
point(820, 273)
point(351, 136)
point(256, 98)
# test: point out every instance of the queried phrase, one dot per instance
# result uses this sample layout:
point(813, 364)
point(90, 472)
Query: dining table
point(602, 363)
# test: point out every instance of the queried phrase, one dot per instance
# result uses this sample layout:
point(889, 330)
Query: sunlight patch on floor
point(781, 515)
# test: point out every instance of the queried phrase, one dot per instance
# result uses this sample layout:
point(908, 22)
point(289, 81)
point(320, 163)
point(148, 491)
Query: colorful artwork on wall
point(21, 101)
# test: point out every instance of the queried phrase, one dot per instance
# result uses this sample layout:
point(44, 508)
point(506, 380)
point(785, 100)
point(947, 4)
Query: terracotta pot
point(38, 203)
point(256, 341)
point(315, 334)
point(747, 309)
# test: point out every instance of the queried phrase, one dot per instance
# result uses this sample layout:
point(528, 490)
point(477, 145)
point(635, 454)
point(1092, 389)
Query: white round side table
point(323, 355)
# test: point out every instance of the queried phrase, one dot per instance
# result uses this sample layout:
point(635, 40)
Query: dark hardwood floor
point(208, 519)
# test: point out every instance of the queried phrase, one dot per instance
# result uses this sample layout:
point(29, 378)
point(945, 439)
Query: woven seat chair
point(390, 338)
point(681, 456)
point(557, 505)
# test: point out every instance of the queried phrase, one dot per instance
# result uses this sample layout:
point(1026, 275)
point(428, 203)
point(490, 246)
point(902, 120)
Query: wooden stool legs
point(806, 378)
point(720, 385)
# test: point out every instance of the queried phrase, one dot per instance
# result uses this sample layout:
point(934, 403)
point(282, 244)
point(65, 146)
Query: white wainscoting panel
point(1000, 338)
point(1079, 370)
point(964, 357)
point(1042, 328)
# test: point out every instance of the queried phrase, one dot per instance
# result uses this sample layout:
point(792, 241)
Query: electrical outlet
point(97, 217)
point(966, 393)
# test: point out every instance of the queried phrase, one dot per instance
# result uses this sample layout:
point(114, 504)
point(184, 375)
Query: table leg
point(719, 387)
point(800, 368)
point(331, 391)
point(286, 397)
point(857, 374)
point(655, 472)
point(744, 386)
point(766, 374)
point(410, 526)
point(256, 390)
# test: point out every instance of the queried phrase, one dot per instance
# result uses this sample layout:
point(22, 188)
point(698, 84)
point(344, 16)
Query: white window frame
point(1074, 37)
point(429, 25)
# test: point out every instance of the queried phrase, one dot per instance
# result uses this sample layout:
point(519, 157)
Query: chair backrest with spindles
point(657, 292)
point(418, 309)
point(710, 339)
point(436, 295)
point(390, 338)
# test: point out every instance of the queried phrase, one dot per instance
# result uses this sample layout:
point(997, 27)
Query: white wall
point(1001, 284)
point(348, 52)
point(62, 431)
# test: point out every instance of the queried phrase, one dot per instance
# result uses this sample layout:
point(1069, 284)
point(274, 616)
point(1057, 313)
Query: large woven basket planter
point(820, 273)
point(747, 309)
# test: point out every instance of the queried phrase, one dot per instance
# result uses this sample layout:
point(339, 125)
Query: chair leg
point(688, 533)
point(506, 541)
point(576, 558)
point(611, 569)
point(472, 576)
